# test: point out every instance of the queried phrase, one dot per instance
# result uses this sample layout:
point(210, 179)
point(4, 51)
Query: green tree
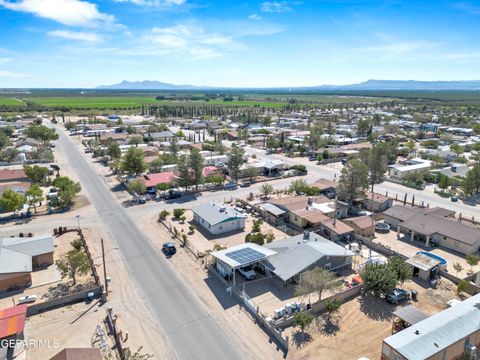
point(67, 190)
point(250, 171)
point(183, 169)
point(73, 263)
point(353, 181)
point(363, 127)
point(3, 140)
point(163, 214)
point(11, 200)
point(472, 260)
point(8, 154)
point(196, 166)
point(137, 186)
point(256, 225)
point(462, 286)
point(215, 179)
point(377, 165)
point(41, 132)
point(235, 160)
point(298, 186)
point(36, 174)
point(457, 267)
point(114, 151)
point(256, 238)
point(332, 306)
point(174, 146)
point(317, 280)
point(156, 165)
point(33, 196)
point(265, 190)
point(443, 181)
point(379, 280)
point(133, 161)
point(135, 140)
point(402, 270)
point(302, 320)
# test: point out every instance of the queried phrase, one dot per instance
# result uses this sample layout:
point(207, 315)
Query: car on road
point(27, 299)
point(454, 198)
point(397, 295)
point(247, 272)
point(169, 248)
point(230, 186)
point(246, 184)
point(173, 194)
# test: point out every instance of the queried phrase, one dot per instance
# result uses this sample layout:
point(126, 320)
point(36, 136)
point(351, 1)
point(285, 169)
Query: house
point(455, 170)
point(218, 218)
point(424, 266)
point(12, 325)
point(303, 252)
point(298, 209)
point(17, 175)
point(400, 171)
point(152, 180)
point(363, 225)
point(336, 230)
point(19, 256)
point(434, 227)
point(78, 354)
point(326, 187)
point(376, 203)
point(450, 334)
point(161, 136)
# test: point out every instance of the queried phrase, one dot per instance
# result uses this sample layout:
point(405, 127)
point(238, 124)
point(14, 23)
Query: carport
point(238, 256)
point(406, 317)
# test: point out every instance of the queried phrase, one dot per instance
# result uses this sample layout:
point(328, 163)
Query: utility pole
point(104, 272)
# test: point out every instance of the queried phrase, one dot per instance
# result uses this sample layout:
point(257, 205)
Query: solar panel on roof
point(245, 256)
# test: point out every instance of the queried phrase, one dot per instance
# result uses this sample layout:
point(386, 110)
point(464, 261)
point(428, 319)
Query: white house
point(399, 172)
point(218, 218)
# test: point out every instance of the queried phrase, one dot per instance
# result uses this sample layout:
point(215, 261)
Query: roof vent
point(306, 235)
point(223, 209)
point(417, 332)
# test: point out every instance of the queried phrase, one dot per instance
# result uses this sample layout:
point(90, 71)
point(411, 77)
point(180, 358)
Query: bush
point(163, 215)
point(178, 213)
point(256, 238)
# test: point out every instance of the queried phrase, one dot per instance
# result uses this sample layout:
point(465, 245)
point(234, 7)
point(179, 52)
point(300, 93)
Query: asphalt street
point(191, 331)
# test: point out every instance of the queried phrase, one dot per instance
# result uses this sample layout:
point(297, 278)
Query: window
point(386, 350)
point(467, 341)
point(444, 355)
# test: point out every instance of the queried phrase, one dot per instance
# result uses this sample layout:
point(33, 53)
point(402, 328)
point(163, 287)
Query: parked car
point(142, 199)
point(230, 186)
point(173, 194)
point(247, 272)
point(27, 299)
point(397, 295)
point(313, 158)
point(246, 184)
point(169, 248)
point(454, 198)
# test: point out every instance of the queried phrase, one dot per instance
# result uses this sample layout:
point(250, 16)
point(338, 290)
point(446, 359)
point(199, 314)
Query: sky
point(236, 43)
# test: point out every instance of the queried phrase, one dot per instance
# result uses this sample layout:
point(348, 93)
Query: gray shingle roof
point(295, 254)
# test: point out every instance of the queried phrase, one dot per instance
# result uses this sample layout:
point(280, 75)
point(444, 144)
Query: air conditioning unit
point(471, 352)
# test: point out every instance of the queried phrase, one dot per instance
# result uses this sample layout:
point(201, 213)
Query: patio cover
point(410, 314)
point(243, 255)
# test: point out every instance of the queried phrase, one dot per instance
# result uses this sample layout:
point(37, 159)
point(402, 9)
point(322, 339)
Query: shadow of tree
point(301, 339)
point(374, 308)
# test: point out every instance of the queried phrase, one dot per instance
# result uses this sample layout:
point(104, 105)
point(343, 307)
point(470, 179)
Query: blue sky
point(84, 43)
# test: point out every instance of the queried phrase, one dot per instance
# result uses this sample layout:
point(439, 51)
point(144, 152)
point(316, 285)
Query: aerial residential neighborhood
point(277, 197)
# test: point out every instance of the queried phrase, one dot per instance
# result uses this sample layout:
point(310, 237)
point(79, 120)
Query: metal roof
point(432, 335)
point(243, 255)
point(297, 253)
point(410, 314)
point(423, 262)
point(16, 253)
point(12, 320)
point(273, 209)
point(217, 213)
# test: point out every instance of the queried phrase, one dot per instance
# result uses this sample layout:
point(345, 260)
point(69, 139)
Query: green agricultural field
point(10, 102)
point(100, 102)
point(269, 104)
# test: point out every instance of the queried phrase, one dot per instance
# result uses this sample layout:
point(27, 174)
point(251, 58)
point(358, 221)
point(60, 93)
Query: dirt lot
point(202, 241)
point(408, 248)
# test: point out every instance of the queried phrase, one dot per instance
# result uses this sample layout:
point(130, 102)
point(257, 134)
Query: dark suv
point(169, 248)
point(397, 295)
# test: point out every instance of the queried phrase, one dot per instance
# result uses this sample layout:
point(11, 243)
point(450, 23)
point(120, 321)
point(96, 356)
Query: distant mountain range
point(367, 85)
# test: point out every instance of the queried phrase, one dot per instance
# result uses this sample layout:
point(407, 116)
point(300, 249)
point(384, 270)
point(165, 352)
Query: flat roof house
point(434, 226)
point(218, 218)
point(399, 171)
point(19, 256)
point(451, 334)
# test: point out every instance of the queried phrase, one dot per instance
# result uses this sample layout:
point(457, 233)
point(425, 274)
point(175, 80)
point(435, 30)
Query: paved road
point(193, 334)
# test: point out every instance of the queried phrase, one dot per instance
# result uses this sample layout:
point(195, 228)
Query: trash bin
point(414, 295)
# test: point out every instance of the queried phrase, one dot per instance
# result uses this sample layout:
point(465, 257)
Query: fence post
point(405, 199)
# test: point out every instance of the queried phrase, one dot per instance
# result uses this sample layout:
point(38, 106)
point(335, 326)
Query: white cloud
point(11, 74)
point(67, 12)
point(255, 17)
point(153, 3)
point(277, 7)
point(190, 41)
point(4, 60)
point(76, 35)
